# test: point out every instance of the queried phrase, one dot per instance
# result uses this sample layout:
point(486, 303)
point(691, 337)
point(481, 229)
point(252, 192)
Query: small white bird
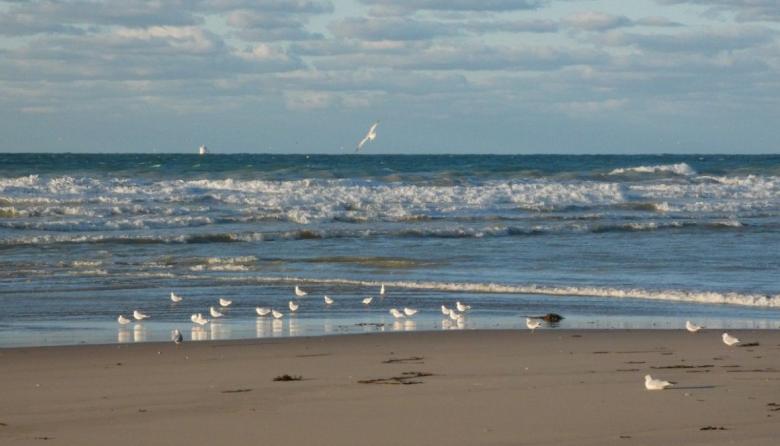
point(137, 315)
point(730, 340)
point(328, 300)
point(299, 292)
point(445, 311)
point(293, 306)
point(262, 311)
point(532, 324)
point(454, 315)
point(396, 314)
point(693, 328)
point(199, 319)
point(175, 298)
point(409, 312)
point(215, 313)
point(462, 307)
point(370, 136)
point(122, 320)
point(176, 336)
point(367, 300)
point(382, 290)
point(277, 314)
point(224, 302)
point(656, 384)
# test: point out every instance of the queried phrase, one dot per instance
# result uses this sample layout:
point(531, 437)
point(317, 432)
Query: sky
point(442, 76)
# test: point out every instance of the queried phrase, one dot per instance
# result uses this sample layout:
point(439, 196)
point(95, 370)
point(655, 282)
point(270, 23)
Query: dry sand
point(486, 387)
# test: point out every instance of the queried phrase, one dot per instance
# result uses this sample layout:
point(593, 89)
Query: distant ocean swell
point(313, 234)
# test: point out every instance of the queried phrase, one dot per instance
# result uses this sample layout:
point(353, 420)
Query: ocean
point(605, 241)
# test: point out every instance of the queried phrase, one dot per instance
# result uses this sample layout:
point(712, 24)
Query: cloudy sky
point(443, 76)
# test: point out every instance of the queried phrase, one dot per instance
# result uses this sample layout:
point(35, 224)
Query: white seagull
point(277, 314)
point(299, 292)
point(293, 306)
point(462, 307)
point(122, 320)
point(199, 319)
point(328, 300)
point(693, 328)
point(396, 314)
point(445, 311)
point(176, 298)
point(656, 384)
point(215, 313)
point(176, 336)
point(370, 136)
point(137, 315)
point(224, 302)
point(382, 290)
point(262, 311)
point(730, 340)
point(532, 324)
point(454, 315)
point(367, 300)
point(409, 312)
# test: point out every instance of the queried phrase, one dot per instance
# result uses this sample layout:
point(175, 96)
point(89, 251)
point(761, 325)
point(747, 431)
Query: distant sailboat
point(203, 150)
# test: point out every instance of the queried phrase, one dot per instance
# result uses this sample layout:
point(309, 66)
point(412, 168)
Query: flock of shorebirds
point(456, 314)
point(658, 384)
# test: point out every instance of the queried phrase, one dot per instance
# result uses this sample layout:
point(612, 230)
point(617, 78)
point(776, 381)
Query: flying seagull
point(370, 136)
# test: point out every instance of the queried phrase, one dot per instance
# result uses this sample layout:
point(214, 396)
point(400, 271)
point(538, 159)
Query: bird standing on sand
point(122, 320)
point(176, 336)
point(730, 340)
point(409, 312)
point(367, 300)
point(299, 292)
point(370, 136)
point(445, 311)
point(224, 302)
point(137, 315)
point(532, 324)
point(382, 290)
point(293, 306)
point(175, 298)
point(328, 300)
point(656, 384)
point(277, 314)
point(693, 328)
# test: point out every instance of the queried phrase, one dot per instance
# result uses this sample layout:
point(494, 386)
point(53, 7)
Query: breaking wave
point(692, 296)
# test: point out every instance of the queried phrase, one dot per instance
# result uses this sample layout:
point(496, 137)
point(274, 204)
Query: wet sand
point(581, 387)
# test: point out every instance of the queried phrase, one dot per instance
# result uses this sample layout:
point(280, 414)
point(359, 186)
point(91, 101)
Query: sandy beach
point(456, 388)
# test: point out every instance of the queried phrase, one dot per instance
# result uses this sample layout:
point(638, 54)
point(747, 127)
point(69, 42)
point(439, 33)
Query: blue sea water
point(606, 241)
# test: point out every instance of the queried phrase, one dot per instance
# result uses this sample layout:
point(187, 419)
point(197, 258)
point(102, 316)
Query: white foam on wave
point(677, 169)
point(697, 296)
point(67, 203)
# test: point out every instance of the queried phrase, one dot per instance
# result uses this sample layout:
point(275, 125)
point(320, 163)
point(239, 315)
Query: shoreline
point(493, 387)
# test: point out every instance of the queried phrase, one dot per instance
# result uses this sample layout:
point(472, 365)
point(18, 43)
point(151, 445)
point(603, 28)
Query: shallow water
point(607, 241)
